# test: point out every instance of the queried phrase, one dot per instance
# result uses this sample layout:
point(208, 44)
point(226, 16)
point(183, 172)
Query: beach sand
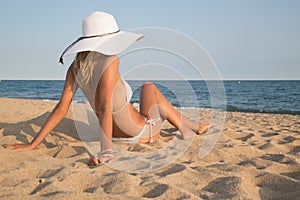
point(256, 157)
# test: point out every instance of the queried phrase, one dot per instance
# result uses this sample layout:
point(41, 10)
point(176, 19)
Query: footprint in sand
point(266, 145)
point(172, 170)
point(256, 163)
point(294, 175)
point(157, 191)
point(270, 134)
point(112, 187)
point(280, 158)
point(226, 187)
point(273, 186)
point(126, 158)
point(90, 190)
point(156, 157)
point(247, 137)
point(225, 167)
point(287, 140)
point(295, 150)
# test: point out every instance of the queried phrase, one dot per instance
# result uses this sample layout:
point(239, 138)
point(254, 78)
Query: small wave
point(49, 100)
point(252, 110)
point(191, 108)
point(79, 101)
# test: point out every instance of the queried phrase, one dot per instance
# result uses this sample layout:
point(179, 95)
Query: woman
point(95, 71)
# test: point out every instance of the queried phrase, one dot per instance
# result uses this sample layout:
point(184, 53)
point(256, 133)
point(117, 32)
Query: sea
point(269, 96)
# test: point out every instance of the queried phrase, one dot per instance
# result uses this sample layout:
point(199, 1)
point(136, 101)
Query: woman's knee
point(148, 85)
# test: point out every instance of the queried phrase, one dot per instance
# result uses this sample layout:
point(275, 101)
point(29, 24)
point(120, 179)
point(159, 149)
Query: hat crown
point(99, 23)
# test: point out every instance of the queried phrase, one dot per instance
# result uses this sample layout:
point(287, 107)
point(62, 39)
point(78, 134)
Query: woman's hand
point(100, 161)
point(19, 147)
point(93, 161)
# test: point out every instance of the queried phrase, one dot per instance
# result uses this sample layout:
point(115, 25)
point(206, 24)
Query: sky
point(254, 40)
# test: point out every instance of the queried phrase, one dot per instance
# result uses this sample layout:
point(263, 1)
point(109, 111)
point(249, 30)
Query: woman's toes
point(203, 128)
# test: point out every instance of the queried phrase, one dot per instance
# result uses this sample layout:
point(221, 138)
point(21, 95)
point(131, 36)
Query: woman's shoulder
point(112, 59)
point(108, 61)
point(100, 59)
point(73, 68)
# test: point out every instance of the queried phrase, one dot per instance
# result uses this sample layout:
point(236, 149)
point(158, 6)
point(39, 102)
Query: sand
point(256, 157)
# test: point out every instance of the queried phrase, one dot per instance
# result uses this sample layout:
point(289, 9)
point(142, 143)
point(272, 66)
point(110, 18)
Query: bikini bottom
point(151, 126)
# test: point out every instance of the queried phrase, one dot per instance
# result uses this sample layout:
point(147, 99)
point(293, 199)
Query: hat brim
point(108, 45)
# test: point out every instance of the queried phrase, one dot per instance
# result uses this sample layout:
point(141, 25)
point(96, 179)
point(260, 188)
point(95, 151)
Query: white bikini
point(150, 126)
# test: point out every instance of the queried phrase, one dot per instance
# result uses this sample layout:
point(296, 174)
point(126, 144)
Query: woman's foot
point(187, 133)
point(202, 128)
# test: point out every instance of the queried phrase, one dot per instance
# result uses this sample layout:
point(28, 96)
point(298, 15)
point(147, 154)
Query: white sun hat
point(101, 33)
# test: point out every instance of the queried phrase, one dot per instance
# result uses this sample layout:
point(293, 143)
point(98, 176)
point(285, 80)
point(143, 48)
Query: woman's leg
point(153, 104)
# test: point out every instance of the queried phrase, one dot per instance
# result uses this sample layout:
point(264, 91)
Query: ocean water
point(244, 96)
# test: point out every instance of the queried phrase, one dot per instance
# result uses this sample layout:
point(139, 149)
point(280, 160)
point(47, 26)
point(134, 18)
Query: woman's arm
point(103, 105)
point(55, 117)
point(103, 101)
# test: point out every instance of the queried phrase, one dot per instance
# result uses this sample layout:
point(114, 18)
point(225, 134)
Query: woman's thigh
point(149, 106)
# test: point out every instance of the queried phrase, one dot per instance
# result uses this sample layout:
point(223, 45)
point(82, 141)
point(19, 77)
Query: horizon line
point(163, 80)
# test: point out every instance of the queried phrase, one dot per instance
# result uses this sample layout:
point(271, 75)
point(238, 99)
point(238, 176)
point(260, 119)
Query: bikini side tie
point(151, 123)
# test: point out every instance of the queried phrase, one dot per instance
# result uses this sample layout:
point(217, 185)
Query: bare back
point(127, 121)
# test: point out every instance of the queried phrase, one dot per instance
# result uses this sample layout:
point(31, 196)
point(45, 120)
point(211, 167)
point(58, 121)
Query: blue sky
point(246, 39)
